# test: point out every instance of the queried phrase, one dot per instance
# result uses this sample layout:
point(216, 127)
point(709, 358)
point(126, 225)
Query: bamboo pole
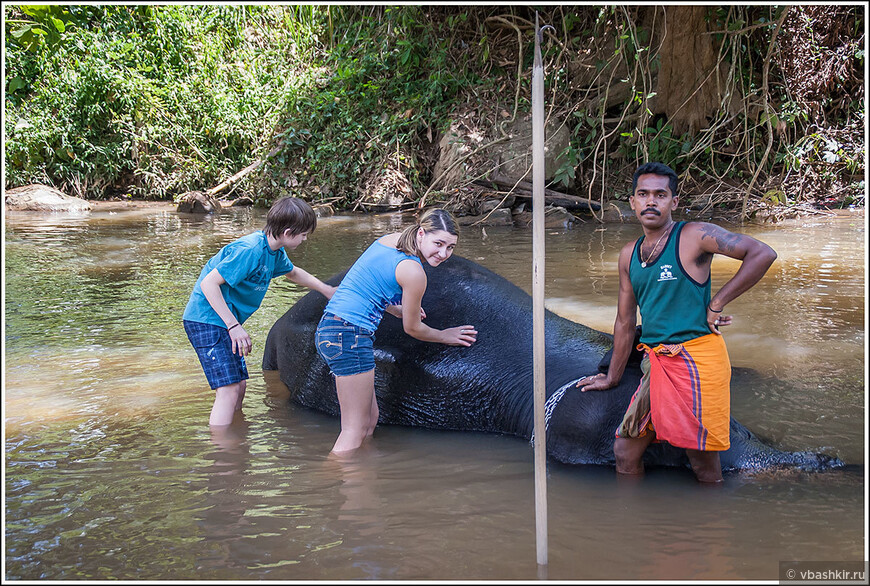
point(538, 353)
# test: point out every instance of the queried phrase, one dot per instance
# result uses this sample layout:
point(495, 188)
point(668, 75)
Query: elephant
point(488, 387)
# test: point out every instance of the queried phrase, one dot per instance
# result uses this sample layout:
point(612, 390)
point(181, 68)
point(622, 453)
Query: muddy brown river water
point(111, 472)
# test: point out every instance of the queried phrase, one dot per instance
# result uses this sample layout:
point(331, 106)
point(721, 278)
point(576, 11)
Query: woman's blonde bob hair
point(432, 220)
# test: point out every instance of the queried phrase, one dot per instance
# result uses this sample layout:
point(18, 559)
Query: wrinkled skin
point(488, 387)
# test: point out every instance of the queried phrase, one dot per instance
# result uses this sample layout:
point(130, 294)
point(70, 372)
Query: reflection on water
point(112, 473)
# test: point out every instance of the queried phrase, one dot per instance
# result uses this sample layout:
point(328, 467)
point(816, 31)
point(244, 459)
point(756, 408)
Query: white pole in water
point(538, 353)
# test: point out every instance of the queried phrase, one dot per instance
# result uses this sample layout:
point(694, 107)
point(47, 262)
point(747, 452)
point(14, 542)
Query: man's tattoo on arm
point(726, 241)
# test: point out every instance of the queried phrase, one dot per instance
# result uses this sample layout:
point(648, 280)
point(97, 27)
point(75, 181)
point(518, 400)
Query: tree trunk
point(688, 89)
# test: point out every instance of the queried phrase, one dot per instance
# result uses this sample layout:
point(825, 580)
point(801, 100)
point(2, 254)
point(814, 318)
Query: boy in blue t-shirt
point(231, 287)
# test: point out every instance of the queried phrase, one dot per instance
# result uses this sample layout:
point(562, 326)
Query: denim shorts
point(214, 347)
point(346, 348)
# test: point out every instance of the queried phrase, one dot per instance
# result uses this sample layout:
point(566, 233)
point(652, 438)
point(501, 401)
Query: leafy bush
point(373, 94)
point(154, 101)
point(148, 100)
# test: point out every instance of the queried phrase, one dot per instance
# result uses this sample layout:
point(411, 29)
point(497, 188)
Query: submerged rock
point(498, 217)
point(198, 202)
point(42, 198)
point(323, 210)
point(241, 202)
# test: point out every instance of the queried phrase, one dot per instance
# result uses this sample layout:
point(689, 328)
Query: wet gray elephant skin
point(488, 387)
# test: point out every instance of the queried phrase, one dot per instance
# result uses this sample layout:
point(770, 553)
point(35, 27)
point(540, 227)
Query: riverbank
point(772, 214)
point(483, 209)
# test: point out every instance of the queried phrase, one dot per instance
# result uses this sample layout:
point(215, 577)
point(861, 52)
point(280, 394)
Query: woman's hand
point(460, 336)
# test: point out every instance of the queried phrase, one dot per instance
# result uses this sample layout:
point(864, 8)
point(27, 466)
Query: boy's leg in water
point(226, 400)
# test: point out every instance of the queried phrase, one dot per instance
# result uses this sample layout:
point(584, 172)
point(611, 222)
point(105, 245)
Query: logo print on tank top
point(666, 274)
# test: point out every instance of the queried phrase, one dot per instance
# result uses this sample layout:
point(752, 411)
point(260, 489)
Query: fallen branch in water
point(524, 189)
point(246, 171)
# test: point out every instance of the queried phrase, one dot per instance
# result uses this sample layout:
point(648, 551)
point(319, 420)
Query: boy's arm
point(211, 288)
point(306, 279)
point(623, 330)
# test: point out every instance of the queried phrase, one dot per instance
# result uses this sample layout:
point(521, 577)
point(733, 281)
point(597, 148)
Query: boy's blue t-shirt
point(247, 265)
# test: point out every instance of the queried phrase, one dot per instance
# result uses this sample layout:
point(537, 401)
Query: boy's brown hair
point(290, 213)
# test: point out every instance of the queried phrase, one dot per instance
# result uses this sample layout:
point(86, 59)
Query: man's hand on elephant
point(598, 382)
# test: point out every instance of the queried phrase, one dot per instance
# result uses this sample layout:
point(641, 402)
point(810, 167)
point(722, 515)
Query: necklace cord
point(655, 247)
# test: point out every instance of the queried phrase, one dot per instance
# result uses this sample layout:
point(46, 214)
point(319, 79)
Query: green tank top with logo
point(673, 306)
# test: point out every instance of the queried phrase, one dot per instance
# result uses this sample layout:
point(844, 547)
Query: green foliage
point(154, 101)
point(378, 93)
point(663, 146)
point(150, 101)
point(817, 148)
point(566, 172)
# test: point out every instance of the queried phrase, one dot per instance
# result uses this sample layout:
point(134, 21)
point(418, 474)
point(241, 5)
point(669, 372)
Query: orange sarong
point(684, 395)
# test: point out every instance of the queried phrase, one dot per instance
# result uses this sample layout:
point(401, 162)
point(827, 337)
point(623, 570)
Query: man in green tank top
point(683, 397)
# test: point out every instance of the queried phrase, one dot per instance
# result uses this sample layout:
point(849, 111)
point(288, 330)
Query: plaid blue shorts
point(214, 347)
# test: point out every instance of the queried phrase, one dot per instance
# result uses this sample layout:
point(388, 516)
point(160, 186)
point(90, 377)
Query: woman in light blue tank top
point(388, 277)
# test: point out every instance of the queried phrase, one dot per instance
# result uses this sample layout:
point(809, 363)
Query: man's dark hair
point(654, 168)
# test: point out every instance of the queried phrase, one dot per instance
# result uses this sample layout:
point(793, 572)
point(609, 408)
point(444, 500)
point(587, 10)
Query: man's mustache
point(651, 211)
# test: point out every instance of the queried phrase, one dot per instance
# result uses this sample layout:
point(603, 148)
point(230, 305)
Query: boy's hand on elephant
point(598, 382)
